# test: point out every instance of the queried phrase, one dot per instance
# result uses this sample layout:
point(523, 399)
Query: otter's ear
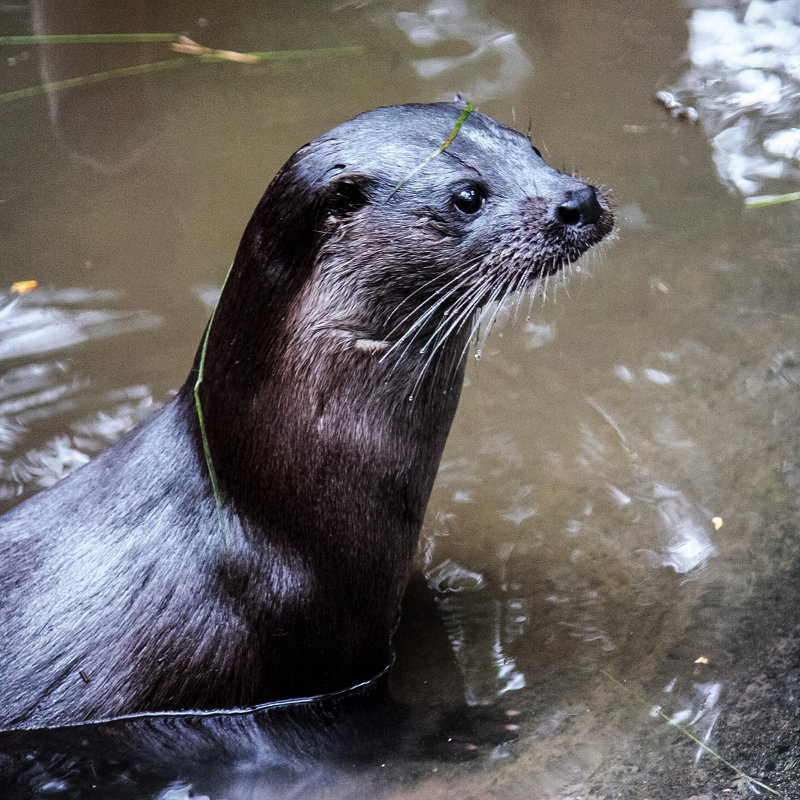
point(347, 193)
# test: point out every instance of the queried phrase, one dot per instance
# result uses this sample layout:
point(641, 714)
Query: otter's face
point(366, 237)
point(428, 236)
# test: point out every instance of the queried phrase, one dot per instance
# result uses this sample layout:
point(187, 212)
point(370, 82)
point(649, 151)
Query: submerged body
point(332, 371)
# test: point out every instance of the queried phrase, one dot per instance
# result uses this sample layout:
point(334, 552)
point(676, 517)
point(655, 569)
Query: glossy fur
point(333, 369)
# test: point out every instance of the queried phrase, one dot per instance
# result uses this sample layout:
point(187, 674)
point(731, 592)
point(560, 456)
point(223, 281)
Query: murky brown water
point(574, 571)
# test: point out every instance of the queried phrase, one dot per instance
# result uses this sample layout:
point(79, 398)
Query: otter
point(258, 551)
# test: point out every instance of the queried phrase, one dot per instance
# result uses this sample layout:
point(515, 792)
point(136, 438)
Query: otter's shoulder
point(103, 498)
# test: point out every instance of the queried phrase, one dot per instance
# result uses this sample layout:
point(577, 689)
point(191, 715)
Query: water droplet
point(411, 398)
point(477, 355)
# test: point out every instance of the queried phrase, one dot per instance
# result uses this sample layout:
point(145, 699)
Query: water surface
point(612, 540)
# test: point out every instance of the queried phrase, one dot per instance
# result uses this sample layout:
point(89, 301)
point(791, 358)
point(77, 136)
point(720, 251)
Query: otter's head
point(363, 231)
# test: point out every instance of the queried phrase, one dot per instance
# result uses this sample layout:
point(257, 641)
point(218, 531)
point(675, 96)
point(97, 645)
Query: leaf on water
point(189, 47)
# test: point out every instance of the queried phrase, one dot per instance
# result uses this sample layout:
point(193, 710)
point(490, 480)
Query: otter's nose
point(579, 207)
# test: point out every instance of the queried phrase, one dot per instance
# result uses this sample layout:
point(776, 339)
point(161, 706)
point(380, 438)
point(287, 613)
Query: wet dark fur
point(333, 370)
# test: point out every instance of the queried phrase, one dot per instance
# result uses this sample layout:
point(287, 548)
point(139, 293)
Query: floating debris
point(676, 109)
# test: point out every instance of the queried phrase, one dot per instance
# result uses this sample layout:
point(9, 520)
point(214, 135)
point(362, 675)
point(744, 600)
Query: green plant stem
point(212, 473)
point(157, 66)
point(88, 38)
point(690, 735)
point(95, 77)
point(761, 200)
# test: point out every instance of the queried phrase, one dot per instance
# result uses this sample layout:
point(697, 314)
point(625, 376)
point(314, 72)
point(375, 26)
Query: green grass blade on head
point(447, 142)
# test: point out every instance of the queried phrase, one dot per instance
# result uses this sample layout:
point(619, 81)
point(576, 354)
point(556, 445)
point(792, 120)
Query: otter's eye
point(469, 200)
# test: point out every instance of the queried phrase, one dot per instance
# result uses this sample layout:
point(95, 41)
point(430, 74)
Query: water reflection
point(494, 64)
point(110, 125)
point(282, 751)
point(43, 322)
point(479, 629)
point(683, 526)
point(359, 743)
point(44, 464)
point(571, 526)
point(46, 320)
point(686, 543)
point(745, 75)
point(696, 708)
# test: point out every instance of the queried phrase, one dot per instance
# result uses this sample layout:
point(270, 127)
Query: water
point(612, 540)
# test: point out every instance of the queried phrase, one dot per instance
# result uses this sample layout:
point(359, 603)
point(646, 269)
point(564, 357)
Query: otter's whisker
point(461, 308)
point(407, 338)
point(432, 342)
point(566, 271)
point(434, 352)
point(464, 272)
point(453, 284)
point(512, 287)
point(513, 290)
point(469, 310)
point(471, 302)
point(419, 288)
point(492, 301)
point(532, 292)
point(459, 281)
point(519, 292)
point(544, 290)
point(446, 290)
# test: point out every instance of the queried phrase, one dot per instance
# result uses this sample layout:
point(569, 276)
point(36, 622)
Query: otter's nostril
point(579, 207)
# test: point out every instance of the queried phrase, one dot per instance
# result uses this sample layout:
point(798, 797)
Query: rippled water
point(612, 543)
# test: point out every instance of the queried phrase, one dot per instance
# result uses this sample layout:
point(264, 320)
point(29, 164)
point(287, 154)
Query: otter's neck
point(322, 453)
point(335, 440)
